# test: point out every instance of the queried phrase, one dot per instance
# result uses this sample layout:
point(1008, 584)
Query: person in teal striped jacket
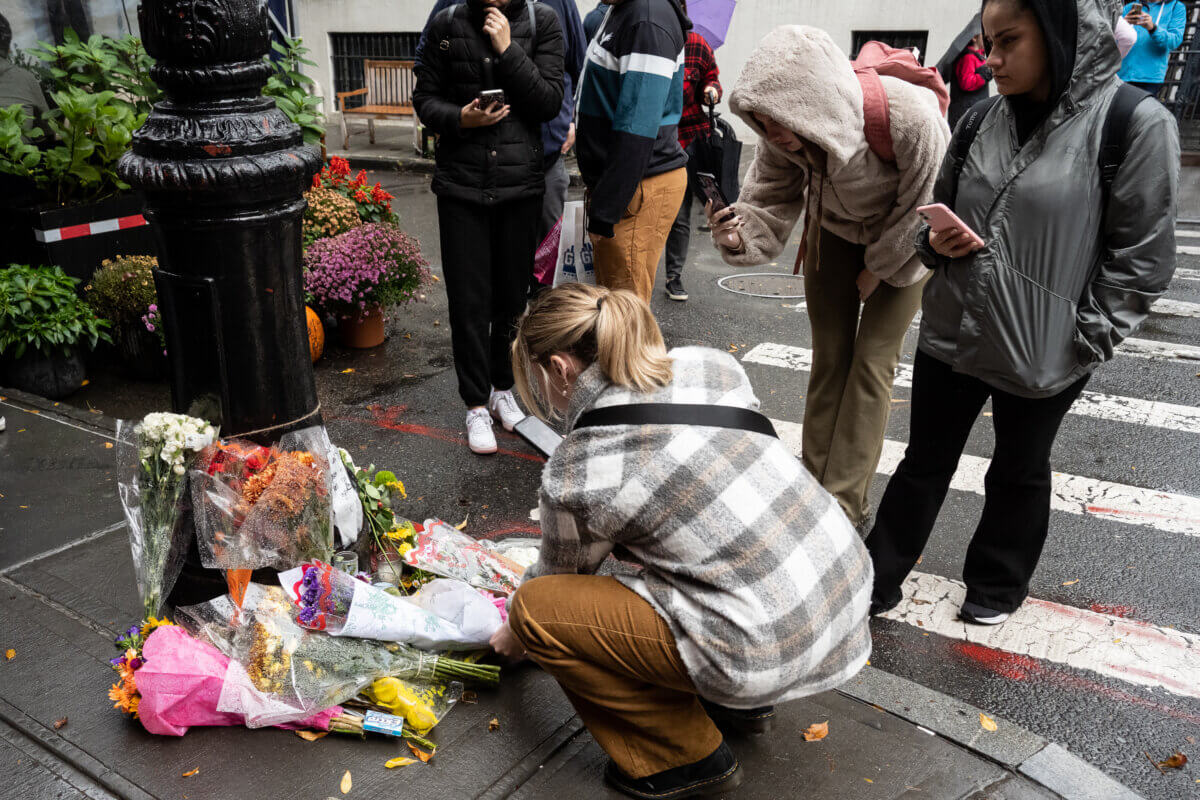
point(1160, 28)
point(630, 102)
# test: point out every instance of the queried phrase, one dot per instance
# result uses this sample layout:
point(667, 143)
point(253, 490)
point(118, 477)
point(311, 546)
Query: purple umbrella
point(710, 19)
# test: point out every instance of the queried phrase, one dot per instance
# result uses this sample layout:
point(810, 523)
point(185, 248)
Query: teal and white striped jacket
point(630, 102)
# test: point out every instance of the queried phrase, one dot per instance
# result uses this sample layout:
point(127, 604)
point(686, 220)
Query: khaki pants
point(854, 364)
point(615, 658)
point(629, 260)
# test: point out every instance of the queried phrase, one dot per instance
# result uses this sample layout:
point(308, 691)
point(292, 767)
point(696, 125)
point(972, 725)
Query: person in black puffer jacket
point(489, 181)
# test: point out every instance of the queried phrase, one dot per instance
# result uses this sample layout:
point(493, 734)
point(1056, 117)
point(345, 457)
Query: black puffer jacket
point(500, 162)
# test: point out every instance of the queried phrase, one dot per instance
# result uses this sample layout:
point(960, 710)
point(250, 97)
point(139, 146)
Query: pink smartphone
point(941, 219)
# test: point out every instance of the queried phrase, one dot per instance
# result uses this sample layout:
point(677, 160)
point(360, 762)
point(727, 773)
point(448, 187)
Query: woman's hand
point(506, 644)
point(472, 116)
point(726, 227)
point(952, 243)
point(495, 25)
point(867, 284)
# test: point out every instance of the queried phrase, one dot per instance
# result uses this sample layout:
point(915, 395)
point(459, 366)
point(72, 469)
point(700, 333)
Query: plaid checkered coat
point(760, 576)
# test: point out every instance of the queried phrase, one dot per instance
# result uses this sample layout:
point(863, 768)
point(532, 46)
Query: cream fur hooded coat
point(799, 77)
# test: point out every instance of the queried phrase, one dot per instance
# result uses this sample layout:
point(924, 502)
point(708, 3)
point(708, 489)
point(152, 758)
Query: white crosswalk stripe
point(1131, 505)
point(1175, 308)
point(1187, 274)
point(1135, 652)
point(1138, 348)
point(1109, 407)
point(1186, 250)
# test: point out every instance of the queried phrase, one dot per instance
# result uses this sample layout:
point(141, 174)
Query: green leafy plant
point(39, 310)
point(92, 131)
point(102, 64)
point(293, 90)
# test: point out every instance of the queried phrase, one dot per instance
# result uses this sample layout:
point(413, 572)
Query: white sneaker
point(480, 437)
point(503, 407)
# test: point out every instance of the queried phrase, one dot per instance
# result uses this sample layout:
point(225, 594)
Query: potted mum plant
point(122, 291)
point(43, 327)
point(358, 275)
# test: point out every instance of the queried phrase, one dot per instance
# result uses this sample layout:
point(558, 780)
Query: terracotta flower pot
point(362, 330)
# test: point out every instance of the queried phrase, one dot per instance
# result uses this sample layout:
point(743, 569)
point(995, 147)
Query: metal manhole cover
point(764, 284)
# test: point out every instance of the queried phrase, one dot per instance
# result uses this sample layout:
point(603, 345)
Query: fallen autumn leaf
point(10, 654)
point(346, 783)
point(346, 371)
point(493, 724)
point(312, 736)
point(1071, 583)
point(1176, 761)
point(816, 732)
point(60, 723)
point(399, 761)
point(987, 722)
point(190, 772)
point(419, 753)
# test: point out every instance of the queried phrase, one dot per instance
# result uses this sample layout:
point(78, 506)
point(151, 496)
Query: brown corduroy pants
point(629, 260)
point(616, 660)
point(854, 364)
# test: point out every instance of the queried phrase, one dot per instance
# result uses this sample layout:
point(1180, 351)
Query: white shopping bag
point(574, 248)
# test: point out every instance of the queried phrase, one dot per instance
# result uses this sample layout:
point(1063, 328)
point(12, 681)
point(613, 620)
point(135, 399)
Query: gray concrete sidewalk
point(68, 584)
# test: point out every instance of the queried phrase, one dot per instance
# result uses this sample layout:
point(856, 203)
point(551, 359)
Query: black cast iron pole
point(224, 172)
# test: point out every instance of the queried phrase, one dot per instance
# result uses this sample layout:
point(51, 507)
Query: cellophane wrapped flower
point(374, 265)
point(446, 615)
point(155, 455)
point(261, 507)
point(304, 671)
point(450, 553)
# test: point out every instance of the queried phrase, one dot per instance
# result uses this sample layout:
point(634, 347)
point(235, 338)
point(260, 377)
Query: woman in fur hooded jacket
point(799, 92)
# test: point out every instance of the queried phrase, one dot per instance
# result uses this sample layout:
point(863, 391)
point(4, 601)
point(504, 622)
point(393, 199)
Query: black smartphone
point(712, 192)
point(489, 97)
point(538, 434)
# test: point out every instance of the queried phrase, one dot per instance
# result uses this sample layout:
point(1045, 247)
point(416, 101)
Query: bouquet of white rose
point(155, 455)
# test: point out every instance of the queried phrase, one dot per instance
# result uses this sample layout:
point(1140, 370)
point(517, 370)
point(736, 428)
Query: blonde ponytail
point(614, 329)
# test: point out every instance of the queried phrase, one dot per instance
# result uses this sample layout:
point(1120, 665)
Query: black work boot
point(717, 773)
point(753, 721)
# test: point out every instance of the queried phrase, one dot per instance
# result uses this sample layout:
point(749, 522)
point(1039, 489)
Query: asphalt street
point(1106, 661)
point(1105, 657)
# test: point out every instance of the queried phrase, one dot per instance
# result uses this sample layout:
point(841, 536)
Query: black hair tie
point(599, 303)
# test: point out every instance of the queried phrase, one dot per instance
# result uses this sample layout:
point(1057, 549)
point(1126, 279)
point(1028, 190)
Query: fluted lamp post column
point(224, 172)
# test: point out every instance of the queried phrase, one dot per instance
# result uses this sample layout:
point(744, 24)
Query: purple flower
point(118, 661)
point(306, 615)
point(133, 631)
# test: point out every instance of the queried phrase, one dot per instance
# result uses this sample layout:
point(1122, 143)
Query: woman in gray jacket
point(1064, 276)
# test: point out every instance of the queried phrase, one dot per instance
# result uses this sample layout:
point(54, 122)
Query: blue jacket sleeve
point(1169, 34)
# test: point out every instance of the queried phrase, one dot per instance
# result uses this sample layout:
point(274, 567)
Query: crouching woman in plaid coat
point(752, 587)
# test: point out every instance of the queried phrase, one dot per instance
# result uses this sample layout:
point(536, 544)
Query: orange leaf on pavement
point(493, 724)
point(987, 722)
point(1176, 761)
point(400, 761)
point(816, 732)
point(312, 736)
point(346, 783)
point(419, 753)
point(191, 772)
point(10, 654)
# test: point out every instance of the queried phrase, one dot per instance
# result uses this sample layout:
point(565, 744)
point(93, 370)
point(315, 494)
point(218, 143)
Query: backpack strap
point(877, 119)
point(532, 27)
point(967, 130)
point(1112, 140)
point(679, 414)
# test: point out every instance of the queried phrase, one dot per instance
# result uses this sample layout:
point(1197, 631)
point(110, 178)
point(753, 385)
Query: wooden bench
point(389, 95)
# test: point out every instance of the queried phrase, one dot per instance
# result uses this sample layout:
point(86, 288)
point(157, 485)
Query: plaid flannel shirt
point(700, 72)
point(759, 574)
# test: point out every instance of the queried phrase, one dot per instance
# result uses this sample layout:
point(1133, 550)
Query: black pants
point(487, 257)
point(1005, 548)
point(679, 238)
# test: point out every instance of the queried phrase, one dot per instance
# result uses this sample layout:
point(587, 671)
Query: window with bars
point(918, 39)
point(350, 50)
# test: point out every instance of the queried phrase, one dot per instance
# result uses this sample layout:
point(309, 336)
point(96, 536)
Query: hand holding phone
point(712, 191)
point(951, 237)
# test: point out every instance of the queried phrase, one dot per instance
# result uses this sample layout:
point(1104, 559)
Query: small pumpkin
point(316, 334)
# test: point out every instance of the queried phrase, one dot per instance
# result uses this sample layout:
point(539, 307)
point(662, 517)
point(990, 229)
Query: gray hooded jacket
point(1057, 288)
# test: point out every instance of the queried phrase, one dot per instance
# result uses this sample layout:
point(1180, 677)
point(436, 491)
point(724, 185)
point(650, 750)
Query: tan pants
point(629, 260)
point(615, 659)
point(854, 364)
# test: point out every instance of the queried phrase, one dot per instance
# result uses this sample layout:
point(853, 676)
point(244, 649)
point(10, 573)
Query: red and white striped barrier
point(89, 229)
